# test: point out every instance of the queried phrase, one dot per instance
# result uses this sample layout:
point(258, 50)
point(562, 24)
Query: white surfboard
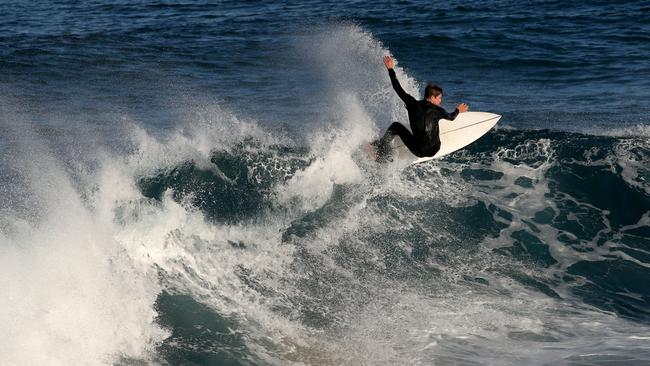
point(454, 135)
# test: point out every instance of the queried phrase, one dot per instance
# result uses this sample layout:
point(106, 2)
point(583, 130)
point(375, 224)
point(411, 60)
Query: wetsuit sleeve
point(451, 116)
point(407, 98)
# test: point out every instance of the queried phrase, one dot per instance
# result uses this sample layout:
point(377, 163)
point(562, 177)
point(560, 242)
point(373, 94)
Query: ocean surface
point(182, 183)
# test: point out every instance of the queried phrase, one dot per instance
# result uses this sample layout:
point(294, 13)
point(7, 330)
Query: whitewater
point(223, 239)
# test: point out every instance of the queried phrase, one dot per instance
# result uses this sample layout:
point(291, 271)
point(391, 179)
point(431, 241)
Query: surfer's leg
point(396, 129)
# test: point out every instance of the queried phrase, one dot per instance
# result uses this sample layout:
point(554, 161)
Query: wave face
point(527, 247)
point(150, 217)
point(481, 257)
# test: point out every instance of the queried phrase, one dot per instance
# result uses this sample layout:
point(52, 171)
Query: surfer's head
point(433, 93)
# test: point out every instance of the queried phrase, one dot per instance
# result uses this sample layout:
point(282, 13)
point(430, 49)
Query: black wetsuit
point(423, 118)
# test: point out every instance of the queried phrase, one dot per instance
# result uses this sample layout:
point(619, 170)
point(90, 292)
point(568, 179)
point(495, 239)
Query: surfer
point(424, 115)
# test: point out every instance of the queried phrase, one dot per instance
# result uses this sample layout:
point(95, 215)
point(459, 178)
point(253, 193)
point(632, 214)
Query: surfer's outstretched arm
point(462, 107)
point(406, 97)
point(451, 116)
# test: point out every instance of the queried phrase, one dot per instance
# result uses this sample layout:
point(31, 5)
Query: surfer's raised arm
point(406, 97)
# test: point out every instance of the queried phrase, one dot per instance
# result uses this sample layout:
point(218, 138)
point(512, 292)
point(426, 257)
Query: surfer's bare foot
point(370, 150)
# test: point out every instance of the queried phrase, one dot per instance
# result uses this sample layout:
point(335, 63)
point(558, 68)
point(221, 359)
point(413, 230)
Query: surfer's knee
point(394, 125)
point(395, 128)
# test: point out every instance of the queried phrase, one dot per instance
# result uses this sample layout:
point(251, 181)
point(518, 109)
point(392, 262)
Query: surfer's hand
point(462, 107)
point(388, 61)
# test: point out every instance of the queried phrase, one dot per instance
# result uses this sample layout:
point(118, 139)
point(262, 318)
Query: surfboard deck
point(454, 135)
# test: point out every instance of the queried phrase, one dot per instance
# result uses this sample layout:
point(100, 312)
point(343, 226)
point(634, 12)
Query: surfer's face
point(436, 100)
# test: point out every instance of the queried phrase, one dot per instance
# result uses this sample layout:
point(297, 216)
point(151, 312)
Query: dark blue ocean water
point(181, 183)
